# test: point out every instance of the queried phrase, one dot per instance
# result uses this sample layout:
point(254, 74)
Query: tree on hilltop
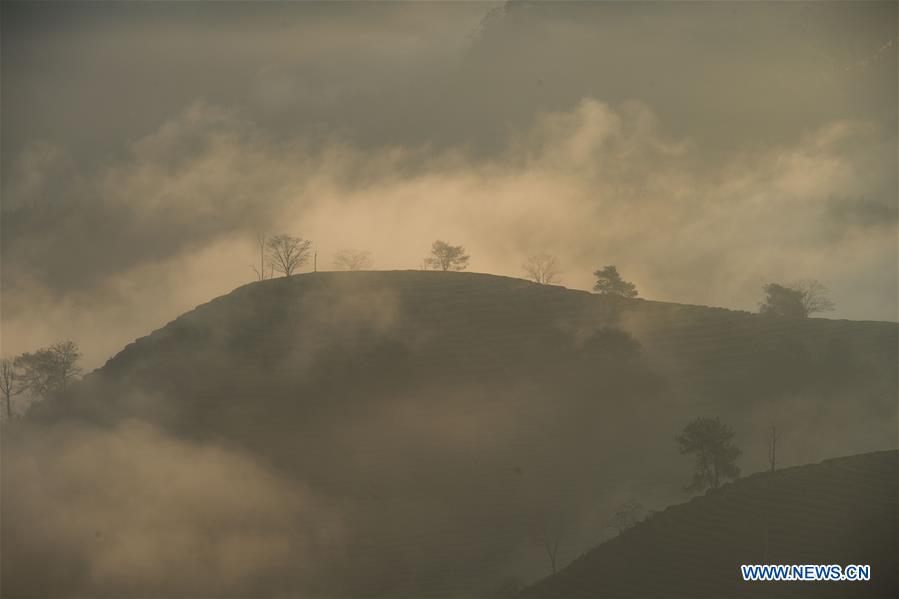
point(287, 253)
point(797, 300)
point(542, 268)
point(352, 260)
point(264, 270)
point(609, 282)
point(447, 257)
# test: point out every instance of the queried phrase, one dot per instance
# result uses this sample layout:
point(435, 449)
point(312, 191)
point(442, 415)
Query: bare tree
point(287, 253)
point(550, 536)
point(67, 356)
point(352, 260)
point(261, 275)
point(38, 372)
point(814, 296)
point(50, 369)
point(10, 385)
point(542, 268)
point(447, 257)
point(772, 447)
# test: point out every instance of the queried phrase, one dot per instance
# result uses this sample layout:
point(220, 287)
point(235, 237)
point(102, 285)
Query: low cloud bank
point(132, 511)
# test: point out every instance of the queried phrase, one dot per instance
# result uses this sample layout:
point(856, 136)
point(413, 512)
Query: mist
point(403, 431)
point(586, 184)
point(581, 165)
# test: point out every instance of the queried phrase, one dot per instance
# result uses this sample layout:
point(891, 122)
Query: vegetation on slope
point(841, 511)
point(448, 419)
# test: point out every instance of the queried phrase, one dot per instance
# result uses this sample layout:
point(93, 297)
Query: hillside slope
point(841, 511)
point(340, 334)
point(445, 418)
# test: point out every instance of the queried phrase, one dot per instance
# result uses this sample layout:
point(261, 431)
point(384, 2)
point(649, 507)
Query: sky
point(705, 149)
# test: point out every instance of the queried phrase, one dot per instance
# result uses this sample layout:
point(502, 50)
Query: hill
point(841, 511)
point(440, 422)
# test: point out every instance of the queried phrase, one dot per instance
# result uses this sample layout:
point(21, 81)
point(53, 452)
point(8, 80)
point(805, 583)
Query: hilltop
point(447, 417)
point(841, 511)
point(476, 323)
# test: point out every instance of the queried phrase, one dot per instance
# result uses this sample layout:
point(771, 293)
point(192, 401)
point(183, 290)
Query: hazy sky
point(703, 148)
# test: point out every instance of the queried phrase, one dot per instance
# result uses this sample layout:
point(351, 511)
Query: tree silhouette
point(287, 253)
point(447, 257)
point(51, 369)
point(797, 300)
point(352, 260)
point(782, 301)
point(712, 444)
point(542, 268)
point(261, 274)
point(10, 384)
point(609, 282)
point(550, 534)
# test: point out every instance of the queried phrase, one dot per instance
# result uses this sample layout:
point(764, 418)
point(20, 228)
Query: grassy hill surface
point(841, 511)
point(445, 419)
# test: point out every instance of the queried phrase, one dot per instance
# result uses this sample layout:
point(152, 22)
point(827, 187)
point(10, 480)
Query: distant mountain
point(448, 417)
point(841, 511)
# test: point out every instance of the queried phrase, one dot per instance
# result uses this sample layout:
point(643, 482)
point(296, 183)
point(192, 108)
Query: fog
point(130, 510)
point(595, 184)
point(440, 121)
point(400, 434)
point(409, 433)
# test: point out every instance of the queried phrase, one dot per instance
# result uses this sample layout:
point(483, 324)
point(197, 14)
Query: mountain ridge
point(445, 415)
point(258, 285)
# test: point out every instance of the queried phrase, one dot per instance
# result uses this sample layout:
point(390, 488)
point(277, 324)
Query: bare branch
point(550, 535)
point(797, 300)
point(352, 260)
point(814, 296)
point(262, 243)
point(542, 268)
point(49, 370)
point(286, 253)
point(10, 384)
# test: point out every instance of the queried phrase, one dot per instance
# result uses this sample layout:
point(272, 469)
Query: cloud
point(171, 224)
point(130, 510)
point(664, 139)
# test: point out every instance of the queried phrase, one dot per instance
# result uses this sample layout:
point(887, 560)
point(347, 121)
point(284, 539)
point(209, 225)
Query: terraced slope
point(466, 325)
point(364, 334)
point(841, 511)
point(445, 417)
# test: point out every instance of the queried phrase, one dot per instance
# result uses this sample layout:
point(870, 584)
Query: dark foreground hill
point(406, 434)
point(841, 511)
